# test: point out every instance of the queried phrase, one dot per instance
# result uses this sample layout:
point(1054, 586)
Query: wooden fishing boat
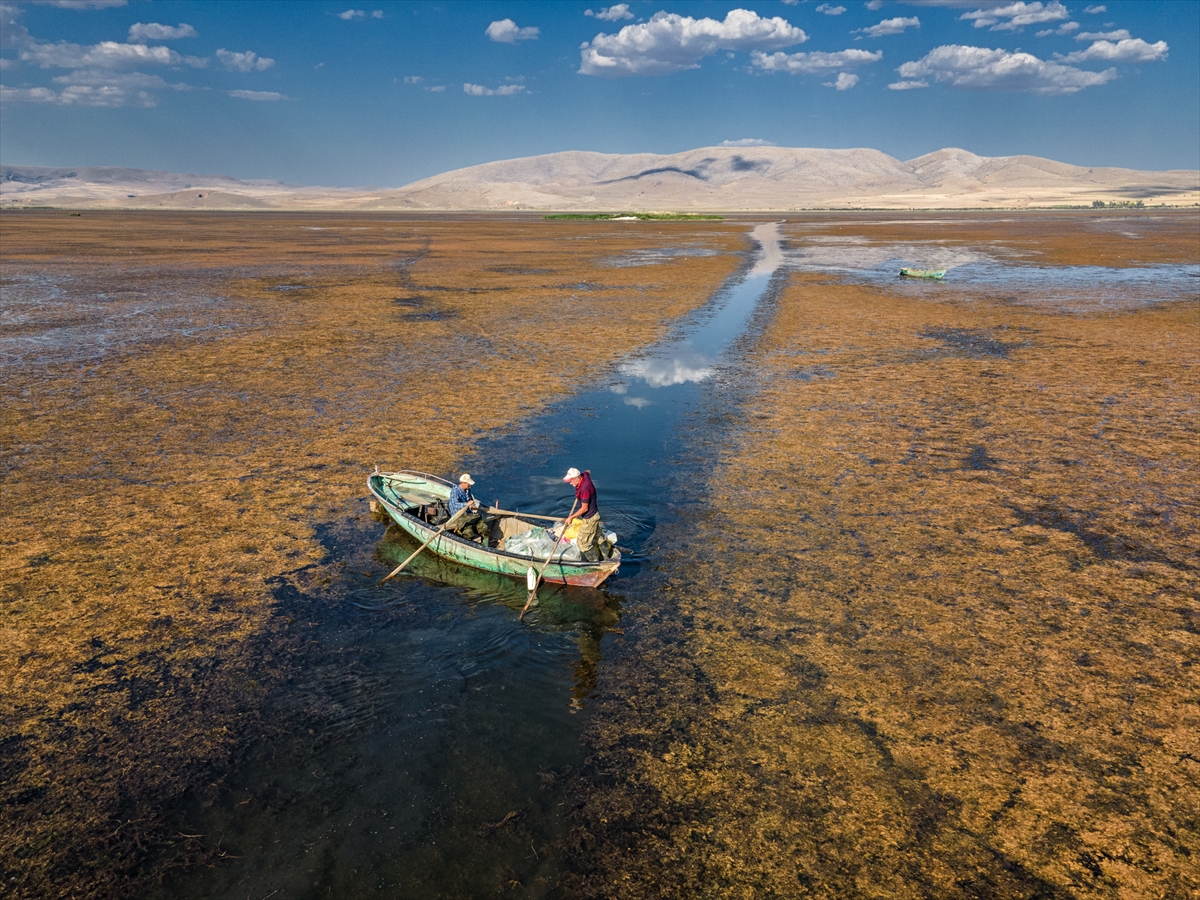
point(405, 495)
point(937, 274)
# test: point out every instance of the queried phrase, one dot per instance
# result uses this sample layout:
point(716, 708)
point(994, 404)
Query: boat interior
point(424, 497)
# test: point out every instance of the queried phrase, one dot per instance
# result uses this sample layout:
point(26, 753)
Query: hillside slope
point(709, 178)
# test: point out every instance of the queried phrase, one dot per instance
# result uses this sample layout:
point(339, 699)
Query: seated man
point(470, 524)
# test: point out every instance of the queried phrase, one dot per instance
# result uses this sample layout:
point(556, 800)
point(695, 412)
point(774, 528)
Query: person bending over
point(590, 536)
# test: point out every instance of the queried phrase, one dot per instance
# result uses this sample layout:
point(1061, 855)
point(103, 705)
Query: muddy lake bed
point(909, 604)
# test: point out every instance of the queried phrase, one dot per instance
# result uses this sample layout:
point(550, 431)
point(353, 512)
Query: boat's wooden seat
point(411, 499)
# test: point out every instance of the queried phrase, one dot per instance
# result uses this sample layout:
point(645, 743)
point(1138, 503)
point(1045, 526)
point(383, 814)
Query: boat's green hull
point(936, 274)
point(557, 608)
point(390, 488)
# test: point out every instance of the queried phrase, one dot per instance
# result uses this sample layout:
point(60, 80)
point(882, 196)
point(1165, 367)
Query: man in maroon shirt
point(590, 536)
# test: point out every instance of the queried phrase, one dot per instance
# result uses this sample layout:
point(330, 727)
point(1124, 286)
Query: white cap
point(465, 479)
point(571, 473)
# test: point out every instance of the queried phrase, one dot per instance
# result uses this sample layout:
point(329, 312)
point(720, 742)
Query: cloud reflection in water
point(682, 366)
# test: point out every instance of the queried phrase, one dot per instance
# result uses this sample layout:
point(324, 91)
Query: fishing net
point(538, 542)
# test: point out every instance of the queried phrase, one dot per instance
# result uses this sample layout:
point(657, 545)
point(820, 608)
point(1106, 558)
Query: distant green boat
point(937, 274)
point(407, 494)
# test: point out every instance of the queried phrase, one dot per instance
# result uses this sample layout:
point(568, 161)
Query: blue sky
point(382, 93)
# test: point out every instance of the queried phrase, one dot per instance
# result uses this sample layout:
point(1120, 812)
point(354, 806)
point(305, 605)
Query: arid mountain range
point(718, 179)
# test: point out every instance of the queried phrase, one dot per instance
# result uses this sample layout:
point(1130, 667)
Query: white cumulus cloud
point(1015, 16)
point(27, 95)
point(1064, 28)
point(747, 142)
point(351, 14)
point(844, 82)
point(1128, 50)
point(85, 4)
point(669, 42)
point(505, 90)
point(105, 55)
point(874, 5)
point(96, 87)
point(100, 75)
point(611, 13)
point(815, 62)
point(104, 95)
point(506, 31)
point(12, 33)
point(261, 96)
point(413, 79)
point(890, 26)
point(244, 62)
point(907, 85)
point(831, 10)
point(125, 80)
point(152, 31)
point(1119, 35)
point(1095, 9)
point(978, 68)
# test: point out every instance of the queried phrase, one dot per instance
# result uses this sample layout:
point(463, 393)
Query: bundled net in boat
point(538, 542)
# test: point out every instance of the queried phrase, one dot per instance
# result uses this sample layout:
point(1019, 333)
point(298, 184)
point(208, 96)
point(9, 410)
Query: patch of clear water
point(624, 430)
point(652, 256)
point(986, 271)
point(62, 318)
point(825, 254)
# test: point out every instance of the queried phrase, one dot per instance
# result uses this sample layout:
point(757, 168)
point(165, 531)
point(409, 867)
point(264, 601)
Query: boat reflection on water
point(588, 612)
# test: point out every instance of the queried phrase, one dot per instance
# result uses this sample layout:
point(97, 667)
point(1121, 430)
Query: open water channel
point(438, 733)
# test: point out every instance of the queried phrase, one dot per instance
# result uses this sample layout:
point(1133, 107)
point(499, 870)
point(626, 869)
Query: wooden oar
point(493, 510)
point(449, 522)
point(537, 581)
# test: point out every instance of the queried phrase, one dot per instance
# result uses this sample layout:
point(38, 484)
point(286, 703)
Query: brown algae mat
point(186, 397)
point(934, 632)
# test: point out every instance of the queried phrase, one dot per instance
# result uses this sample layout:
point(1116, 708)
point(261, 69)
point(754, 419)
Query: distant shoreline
point(706, 181)
point(552, 215)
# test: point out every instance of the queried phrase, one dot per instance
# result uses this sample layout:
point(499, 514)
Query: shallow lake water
point(985, 272)
point(53, 318)
point(442, 732)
